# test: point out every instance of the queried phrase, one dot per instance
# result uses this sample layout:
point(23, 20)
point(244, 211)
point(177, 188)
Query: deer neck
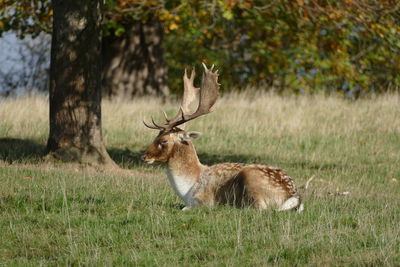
point(184, 170)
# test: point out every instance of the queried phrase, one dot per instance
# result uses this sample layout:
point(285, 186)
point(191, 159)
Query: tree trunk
point(133, 63)
point(75, 84)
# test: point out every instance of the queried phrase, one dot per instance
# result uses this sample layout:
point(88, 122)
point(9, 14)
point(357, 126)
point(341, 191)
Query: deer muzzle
point(147, 159)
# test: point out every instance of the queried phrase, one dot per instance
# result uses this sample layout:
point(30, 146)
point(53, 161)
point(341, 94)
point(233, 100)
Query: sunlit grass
point(59, 214)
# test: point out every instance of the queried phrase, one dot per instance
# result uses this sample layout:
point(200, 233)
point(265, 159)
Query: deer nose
point(143, 157)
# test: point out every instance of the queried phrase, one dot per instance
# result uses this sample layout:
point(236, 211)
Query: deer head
point(171, 138)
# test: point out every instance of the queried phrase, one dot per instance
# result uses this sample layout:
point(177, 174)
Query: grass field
point(68, 215)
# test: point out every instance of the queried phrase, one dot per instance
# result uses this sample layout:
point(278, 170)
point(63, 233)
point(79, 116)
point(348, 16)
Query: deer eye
point(164, 142)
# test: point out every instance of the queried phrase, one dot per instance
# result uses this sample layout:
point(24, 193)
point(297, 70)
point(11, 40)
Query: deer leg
point(204, 199)
point(201, 199)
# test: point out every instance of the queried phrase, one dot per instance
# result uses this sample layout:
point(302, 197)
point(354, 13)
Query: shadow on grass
point(126, 158)
point(13, 149)
point(24, 150)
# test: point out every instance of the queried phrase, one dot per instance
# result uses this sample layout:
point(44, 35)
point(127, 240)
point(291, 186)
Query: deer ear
point(193, 135)
point(189, 136)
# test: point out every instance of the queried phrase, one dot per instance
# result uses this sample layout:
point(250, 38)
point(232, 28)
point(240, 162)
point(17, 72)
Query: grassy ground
point(59, 214)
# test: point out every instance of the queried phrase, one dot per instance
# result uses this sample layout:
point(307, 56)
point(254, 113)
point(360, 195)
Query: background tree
point(75, 91)
point(133, 61)
point(346, 46)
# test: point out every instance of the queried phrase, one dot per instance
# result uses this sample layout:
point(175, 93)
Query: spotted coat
point(238, 184)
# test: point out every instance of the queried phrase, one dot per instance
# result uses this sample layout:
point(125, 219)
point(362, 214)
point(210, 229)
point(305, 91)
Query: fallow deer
point(238, 184)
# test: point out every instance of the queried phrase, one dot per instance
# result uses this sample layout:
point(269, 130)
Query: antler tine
point(192, 75)
point(190, 91)
point(151, 127)
point(165, 116)
point(155, 124)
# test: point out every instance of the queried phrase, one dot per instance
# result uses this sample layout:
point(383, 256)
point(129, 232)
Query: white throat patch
point(182, 185)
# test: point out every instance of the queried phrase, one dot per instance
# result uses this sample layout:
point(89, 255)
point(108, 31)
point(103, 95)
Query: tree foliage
point(350, 46)
point(25, 16)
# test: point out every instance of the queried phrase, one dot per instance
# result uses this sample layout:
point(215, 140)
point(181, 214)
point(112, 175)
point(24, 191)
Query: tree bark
point(133, 63)
point(75, 83)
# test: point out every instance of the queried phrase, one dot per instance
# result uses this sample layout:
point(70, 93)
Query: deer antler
point(189, 95)
point(208, 96)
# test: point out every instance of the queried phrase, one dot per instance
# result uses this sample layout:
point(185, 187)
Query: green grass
point(68, 215)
